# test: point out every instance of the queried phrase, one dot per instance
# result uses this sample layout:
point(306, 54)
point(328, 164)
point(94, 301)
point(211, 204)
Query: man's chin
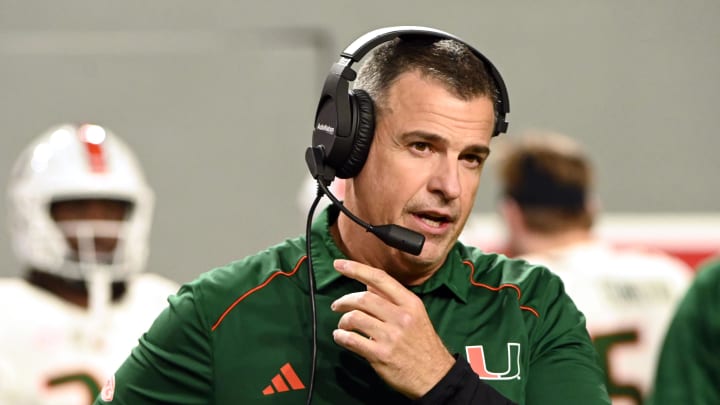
point(431, 254)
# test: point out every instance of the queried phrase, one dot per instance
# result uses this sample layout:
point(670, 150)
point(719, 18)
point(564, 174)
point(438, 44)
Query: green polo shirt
point(241, 334)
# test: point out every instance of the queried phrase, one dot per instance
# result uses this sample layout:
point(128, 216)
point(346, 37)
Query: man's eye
point(421, 146)
point(474, 160)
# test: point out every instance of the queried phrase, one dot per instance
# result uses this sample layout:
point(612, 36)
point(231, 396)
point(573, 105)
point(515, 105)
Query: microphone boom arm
point(392, 235)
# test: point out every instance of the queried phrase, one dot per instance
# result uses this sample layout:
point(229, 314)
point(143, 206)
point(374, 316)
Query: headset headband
point(337, 118)
point(367, 42)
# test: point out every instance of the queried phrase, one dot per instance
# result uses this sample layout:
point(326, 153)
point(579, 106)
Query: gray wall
point(217, 98)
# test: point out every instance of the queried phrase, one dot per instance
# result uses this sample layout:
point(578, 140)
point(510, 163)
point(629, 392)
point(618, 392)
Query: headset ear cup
point(363, 108)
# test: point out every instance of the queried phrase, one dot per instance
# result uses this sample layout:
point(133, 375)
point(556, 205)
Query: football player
point(80, 212)
point(626, 293)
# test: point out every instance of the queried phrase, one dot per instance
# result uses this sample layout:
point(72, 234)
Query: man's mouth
point(433, 220)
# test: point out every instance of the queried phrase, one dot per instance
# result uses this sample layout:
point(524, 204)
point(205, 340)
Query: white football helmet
point(78, 162)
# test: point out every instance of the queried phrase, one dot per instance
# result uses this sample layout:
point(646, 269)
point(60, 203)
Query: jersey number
point(84, 379)
point(603, 346)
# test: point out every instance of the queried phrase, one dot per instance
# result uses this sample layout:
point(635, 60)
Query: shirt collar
point(323, 248)
point(453, 275)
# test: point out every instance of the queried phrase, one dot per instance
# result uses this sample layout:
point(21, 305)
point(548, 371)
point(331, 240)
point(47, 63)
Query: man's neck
point(73, 291)
point(364, 247)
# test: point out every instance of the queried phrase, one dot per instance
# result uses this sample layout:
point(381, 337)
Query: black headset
point(345, 120)
point(344, 129)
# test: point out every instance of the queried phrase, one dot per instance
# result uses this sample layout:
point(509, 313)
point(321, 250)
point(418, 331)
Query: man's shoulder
point(642, 257)
point(283, 257)
point(533, 285)
point(13, 284)
point(218, 285)
point(31, 305)
point(16, 290)
point(629, 265)
point(708, 276)
point(497, 268)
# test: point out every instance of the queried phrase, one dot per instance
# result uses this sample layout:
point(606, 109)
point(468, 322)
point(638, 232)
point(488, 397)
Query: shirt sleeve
point(689, 366)
point(564, 366)
point(172, 362)
point(462, 386)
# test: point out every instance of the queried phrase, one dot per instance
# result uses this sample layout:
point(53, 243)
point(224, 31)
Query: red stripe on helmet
point(95, 151)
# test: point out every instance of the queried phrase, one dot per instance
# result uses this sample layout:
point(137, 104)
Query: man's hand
point(388, 326)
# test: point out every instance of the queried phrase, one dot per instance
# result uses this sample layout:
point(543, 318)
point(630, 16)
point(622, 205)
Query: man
point(79, 215)
point(392, 327)
point(626, 294)
point(689, 367)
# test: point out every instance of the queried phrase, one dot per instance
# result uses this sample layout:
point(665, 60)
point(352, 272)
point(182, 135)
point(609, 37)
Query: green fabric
point(689, 366)
point(226, 335)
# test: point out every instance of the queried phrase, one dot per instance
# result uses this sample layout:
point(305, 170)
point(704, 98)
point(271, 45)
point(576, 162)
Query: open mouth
point(433, 220)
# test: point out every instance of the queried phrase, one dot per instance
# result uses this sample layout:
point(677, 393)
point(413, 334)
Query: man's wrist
point(447, 386)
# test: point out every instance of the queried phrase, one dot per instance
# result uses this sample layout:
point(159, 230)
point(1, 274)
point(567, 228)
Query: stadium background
point(218, 97)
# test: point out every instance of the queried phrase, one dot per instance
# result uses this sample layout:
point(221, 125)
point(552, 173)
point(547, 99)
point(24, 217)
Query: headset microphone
point(392, 235)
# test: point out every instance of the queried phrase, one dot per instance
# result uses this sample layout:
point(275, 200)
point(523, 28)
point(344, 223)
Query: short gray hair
point(450, 62)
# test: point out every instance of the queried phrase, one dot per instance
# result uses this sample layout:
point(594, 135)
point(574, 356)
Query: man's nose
point(445, 178)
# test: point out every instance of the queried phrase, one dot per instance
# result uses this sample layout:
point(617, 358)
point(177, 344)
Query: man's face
point(423, 169)
point(71, 211)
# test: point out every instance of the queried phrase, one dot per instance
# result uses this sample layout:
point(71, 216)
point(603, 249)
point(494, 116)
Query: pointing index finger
point(376, 279)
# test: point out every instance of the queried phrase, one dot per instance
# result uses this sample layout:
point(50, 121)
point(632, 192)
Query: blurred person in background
point(688, 370)
point(80, 213)
point(309, 189)
point(626, 294)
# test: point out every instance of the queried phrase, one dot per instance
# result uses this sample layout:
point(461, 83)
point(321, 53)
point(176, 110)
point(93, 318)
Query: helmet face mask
point(95, 231)
point(79, 163)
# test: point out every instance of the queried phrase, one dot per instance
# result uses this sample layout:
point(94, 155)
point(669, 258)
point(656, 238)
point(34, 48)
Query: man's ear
point(593, 206)
point(514, 221)
point(512, 215)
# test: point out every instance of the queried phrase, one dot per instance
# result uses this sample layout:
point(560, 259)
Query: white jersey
point(53, 352)
point(628, 297)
